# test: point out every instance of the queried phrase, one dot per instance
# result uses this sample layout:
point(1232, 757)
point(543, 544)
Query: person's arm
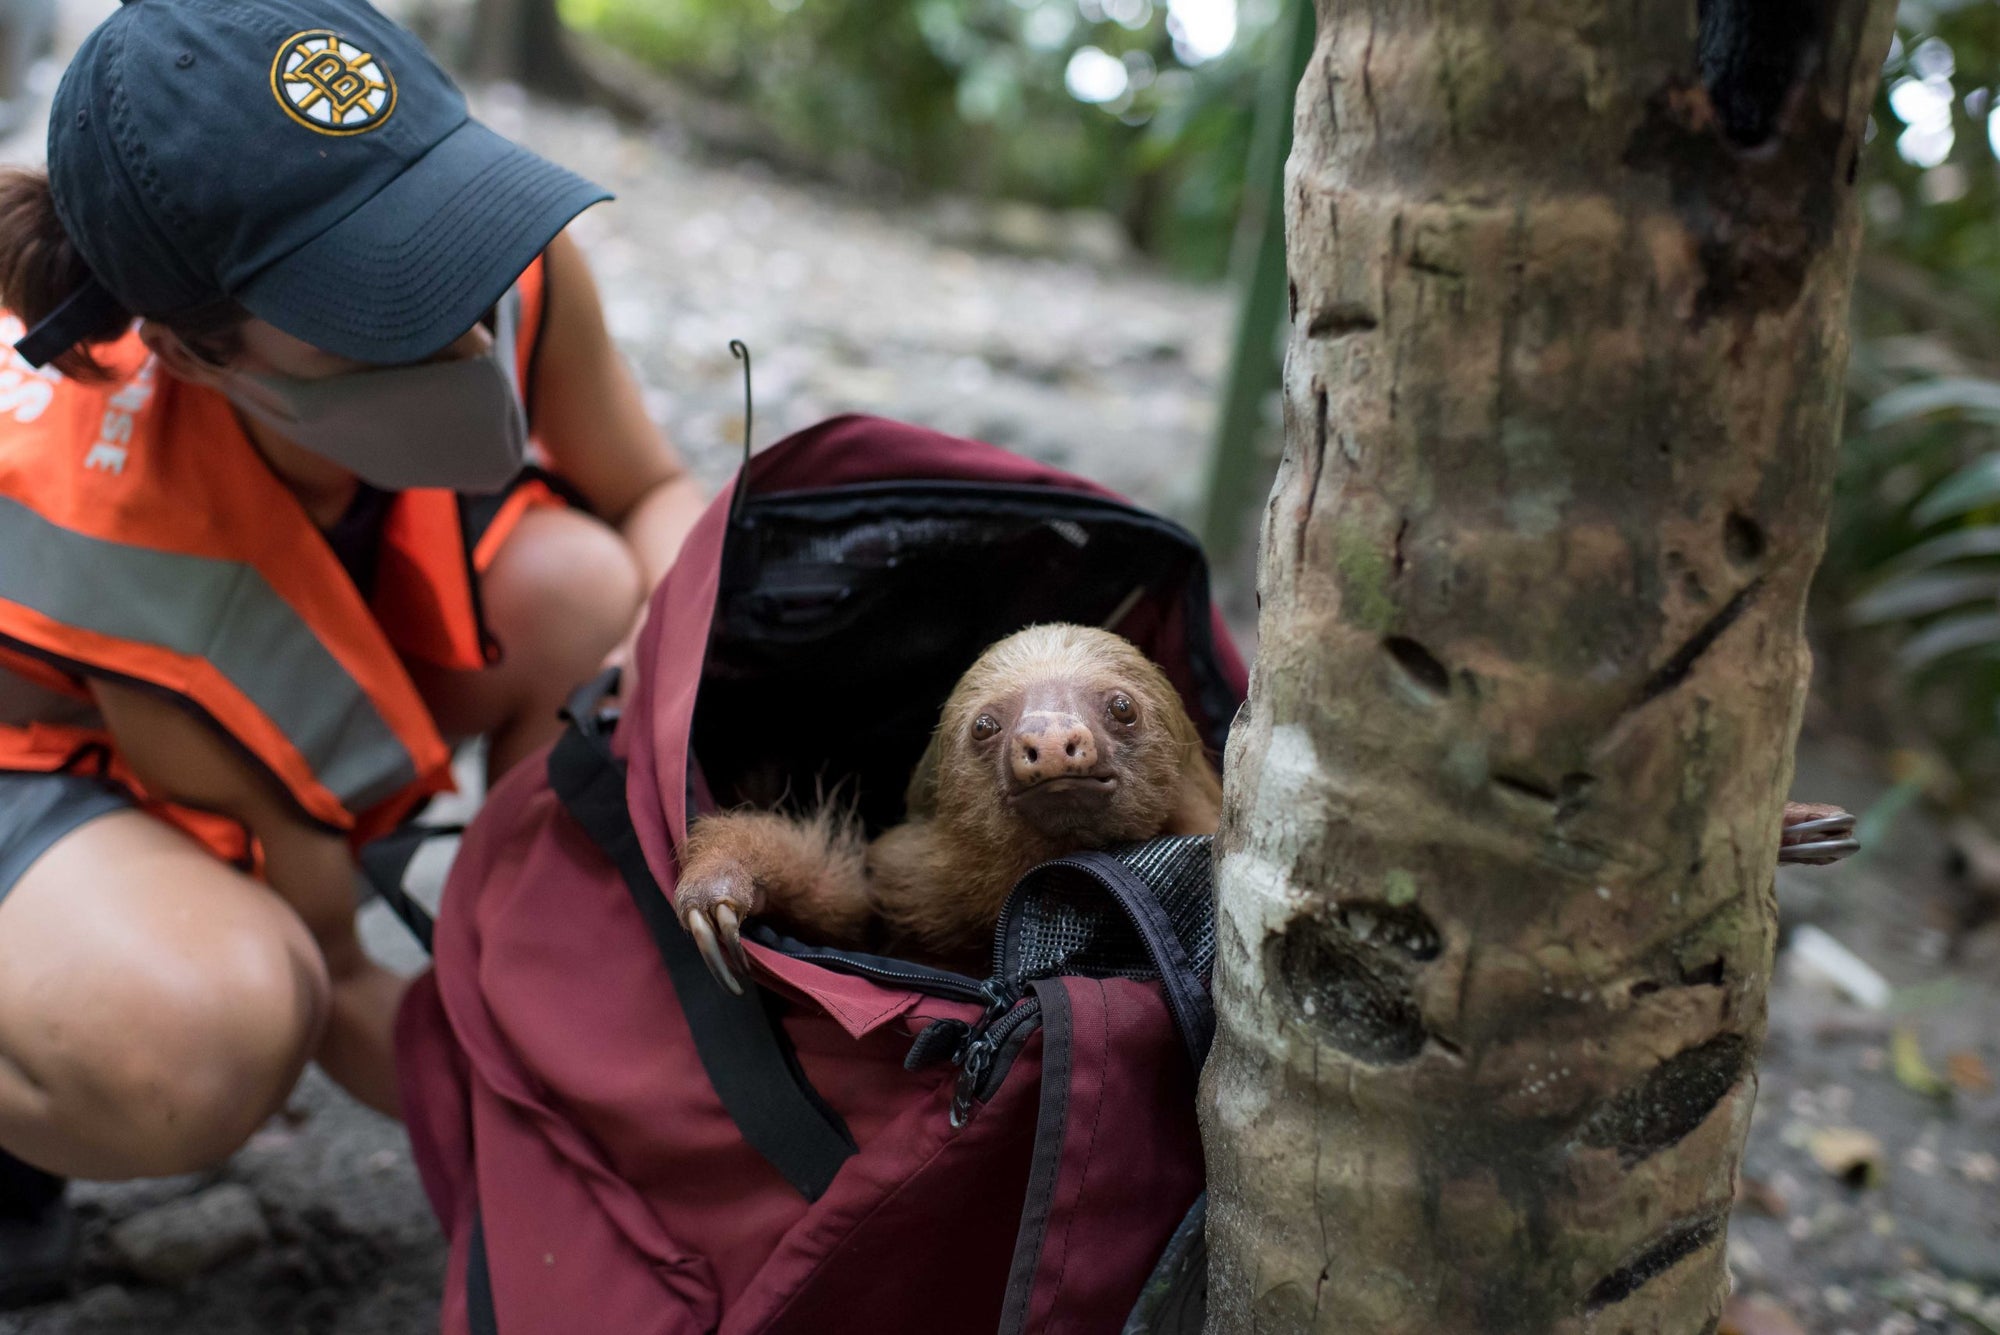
point(181, 758)
point(589, 414)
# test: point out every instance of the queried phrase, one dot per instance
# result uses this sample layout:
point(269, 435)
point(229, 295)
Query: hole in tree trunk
point(1337, 321)
point(1528, 788)
point(1355, 995)
point(1743, 540)
point(1670, 1103)
point(1710, 974)
point(1752, 54)
point(1422, 665)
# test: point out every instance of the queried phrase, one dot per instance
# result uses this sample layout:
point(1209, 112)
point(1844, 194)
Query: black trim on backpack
point(1051, 1119)
point(1186, 990)
point(479, 1314)
point(385, 864)
point(743, 1050)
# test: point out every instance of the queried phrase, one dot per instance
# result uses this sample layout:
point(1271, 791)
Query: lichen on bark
point(1561, 403)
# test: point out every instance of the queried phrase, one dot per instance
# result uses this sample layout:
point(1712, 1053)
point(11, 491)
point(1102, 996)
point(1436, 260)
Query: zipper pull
point(974, 1057)
point(940, 1040)
point(978, 1061)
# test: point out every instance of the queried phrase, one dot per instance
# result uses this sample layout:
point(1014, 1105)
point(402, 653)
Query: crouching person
point(288, 324)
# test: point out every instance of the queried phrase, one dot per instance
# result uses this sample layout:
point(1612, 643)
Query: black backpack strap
point(385, 865)
point(1186, 989)
point(1045, 1168)
point(741, 1048)
point(1048, 1287)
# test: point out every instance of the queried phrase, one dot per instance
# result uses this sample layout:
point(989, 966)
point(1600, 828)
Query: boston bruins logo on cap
point(331, 85)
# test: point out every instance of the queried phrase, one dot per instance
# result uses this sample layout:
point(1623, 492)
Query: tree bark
point(1569, 296)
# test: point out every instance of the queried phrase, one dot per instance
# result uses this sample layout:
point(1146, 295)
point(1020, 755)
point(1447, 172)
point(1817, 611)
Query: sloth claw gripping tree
point(1569, 286)
point(1059, 738)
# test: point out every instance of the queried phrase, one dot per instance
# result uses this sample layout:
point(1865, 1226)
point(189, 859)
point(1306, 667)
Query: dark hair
point(40, 267)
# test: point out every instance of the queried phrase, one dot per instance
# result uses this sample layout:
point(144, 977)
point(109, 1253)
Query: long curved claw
point(711, 953)
point(1820, 839)
point(730, 928)
point(1819, 852)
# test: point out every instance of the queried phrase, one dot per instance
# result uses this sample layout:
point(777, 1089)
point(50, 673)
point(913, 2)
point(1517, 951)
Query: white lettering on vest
point(24, 391)
point(108, 455)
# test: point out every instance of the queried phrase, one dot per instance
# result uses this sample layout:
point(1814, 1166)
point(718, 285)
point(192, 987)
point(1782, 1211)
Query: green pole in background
point(1236, 472)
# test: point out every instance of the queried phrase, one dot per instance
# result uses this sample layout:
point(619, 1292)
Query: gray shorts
point(38, 809)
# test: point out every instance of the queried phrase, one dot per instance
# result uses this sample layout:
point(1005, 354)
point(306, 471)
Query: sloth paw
point(712, 903)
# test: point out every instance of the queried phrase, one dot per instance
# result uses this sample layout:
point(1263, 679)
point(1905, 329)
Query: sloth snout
point(1050, 746)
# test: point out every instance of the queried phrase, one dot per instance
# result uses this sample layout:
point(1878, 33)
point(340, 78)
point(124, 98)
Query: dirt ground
point(1101, 367)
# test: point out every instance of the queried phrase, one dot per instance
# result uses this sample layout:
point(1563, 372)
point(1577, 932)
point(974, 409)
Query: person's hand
point(1816, 834)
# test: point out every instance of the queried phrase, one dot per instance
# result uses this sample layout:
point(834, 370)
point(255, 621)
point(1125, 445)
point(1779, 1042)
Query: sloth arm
point(808, 872)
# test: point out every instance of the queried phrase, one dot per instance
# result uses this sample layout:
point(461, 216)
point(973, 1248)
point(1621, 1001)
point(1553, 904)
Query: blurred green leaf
point(1971, 488)
point(1872, 827)
point(1977, 399)
point(1923, 593)
point(1906, 1059)
point(1971, 632)
point(1954, 546)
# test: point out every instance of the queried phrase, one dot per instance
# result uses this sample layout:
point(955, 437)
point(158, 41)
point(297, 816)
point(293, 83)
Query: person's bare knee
point(165, 1059)
point(212, 1048)
point(561, 593)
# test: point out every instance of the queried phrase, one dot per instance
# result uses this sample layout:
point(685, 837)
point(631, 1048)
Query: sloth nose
point(1048, 745)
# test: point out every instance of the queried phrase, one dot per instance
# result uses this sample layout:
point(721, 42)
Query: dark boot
point(37, 1235)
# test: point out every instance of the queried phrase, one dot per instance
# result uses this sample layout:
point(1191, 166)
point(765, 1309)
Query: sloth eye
point(985, 727)
point(1122, 709)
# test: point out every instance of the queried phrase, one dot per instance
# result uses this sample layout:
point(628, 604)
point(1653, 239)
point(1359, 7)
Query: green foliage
point(1930, 204)
point(1911, 581)
point(970, 96)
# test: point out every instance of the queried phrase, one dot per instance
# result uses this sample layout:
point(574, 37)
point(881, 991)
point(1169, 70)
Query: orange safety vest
point(143, 539)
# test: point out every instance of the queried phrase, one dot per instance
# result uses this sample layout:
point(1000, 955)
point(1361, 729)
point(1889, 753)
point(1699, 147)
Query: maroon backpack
point(614, 1143)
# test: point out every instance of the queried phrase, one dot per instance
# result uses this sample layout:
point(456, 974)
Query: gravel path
point(318, 1225)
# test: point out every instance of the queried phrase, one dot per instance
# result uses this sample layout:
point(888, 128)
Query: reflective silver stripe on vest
point(220, 611)
point(506, 333)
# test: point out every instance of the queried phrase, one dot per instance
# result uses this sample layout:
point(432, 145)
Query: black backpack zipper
point(1009, 1019)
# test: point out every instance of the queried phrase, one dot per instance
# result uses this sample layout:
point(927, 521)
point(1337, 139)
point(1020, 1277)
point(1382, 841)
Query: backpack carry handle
point(1184, 982)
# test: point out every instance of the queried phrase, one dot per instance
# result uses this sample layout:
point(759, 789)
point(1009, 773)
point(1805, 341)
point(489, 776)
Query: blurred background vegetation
point(1142, 108)
point(1907, 605)
point(1145, 114)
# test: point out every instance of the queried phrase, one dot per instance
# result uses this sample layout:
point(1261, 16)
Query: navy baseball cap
point(306, 158)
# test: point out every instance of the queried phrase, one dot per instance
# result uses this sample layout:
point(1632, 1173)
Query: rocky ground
point(1872, 1196)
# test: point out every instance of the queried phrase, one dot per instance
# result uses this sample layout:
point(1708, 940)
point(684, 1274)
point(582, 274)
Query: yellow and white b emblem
point(331, 85)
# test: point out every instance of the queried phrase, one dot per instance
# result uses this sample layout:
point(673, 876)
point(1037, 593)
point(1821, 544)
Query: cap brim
point(422, 261)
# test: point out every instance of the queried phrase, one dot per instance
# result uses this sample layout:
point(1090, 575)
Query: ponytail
point(40, 266)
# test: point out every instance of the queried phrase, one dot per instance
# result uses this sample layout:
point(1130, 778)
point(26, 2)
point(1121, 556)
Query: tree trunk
point(524, 42)
point(1569, 297)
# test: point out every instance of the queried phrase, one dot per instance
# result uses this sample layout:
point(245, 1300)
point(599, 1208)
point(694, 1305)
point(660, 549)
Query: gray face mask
point(455, 424)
